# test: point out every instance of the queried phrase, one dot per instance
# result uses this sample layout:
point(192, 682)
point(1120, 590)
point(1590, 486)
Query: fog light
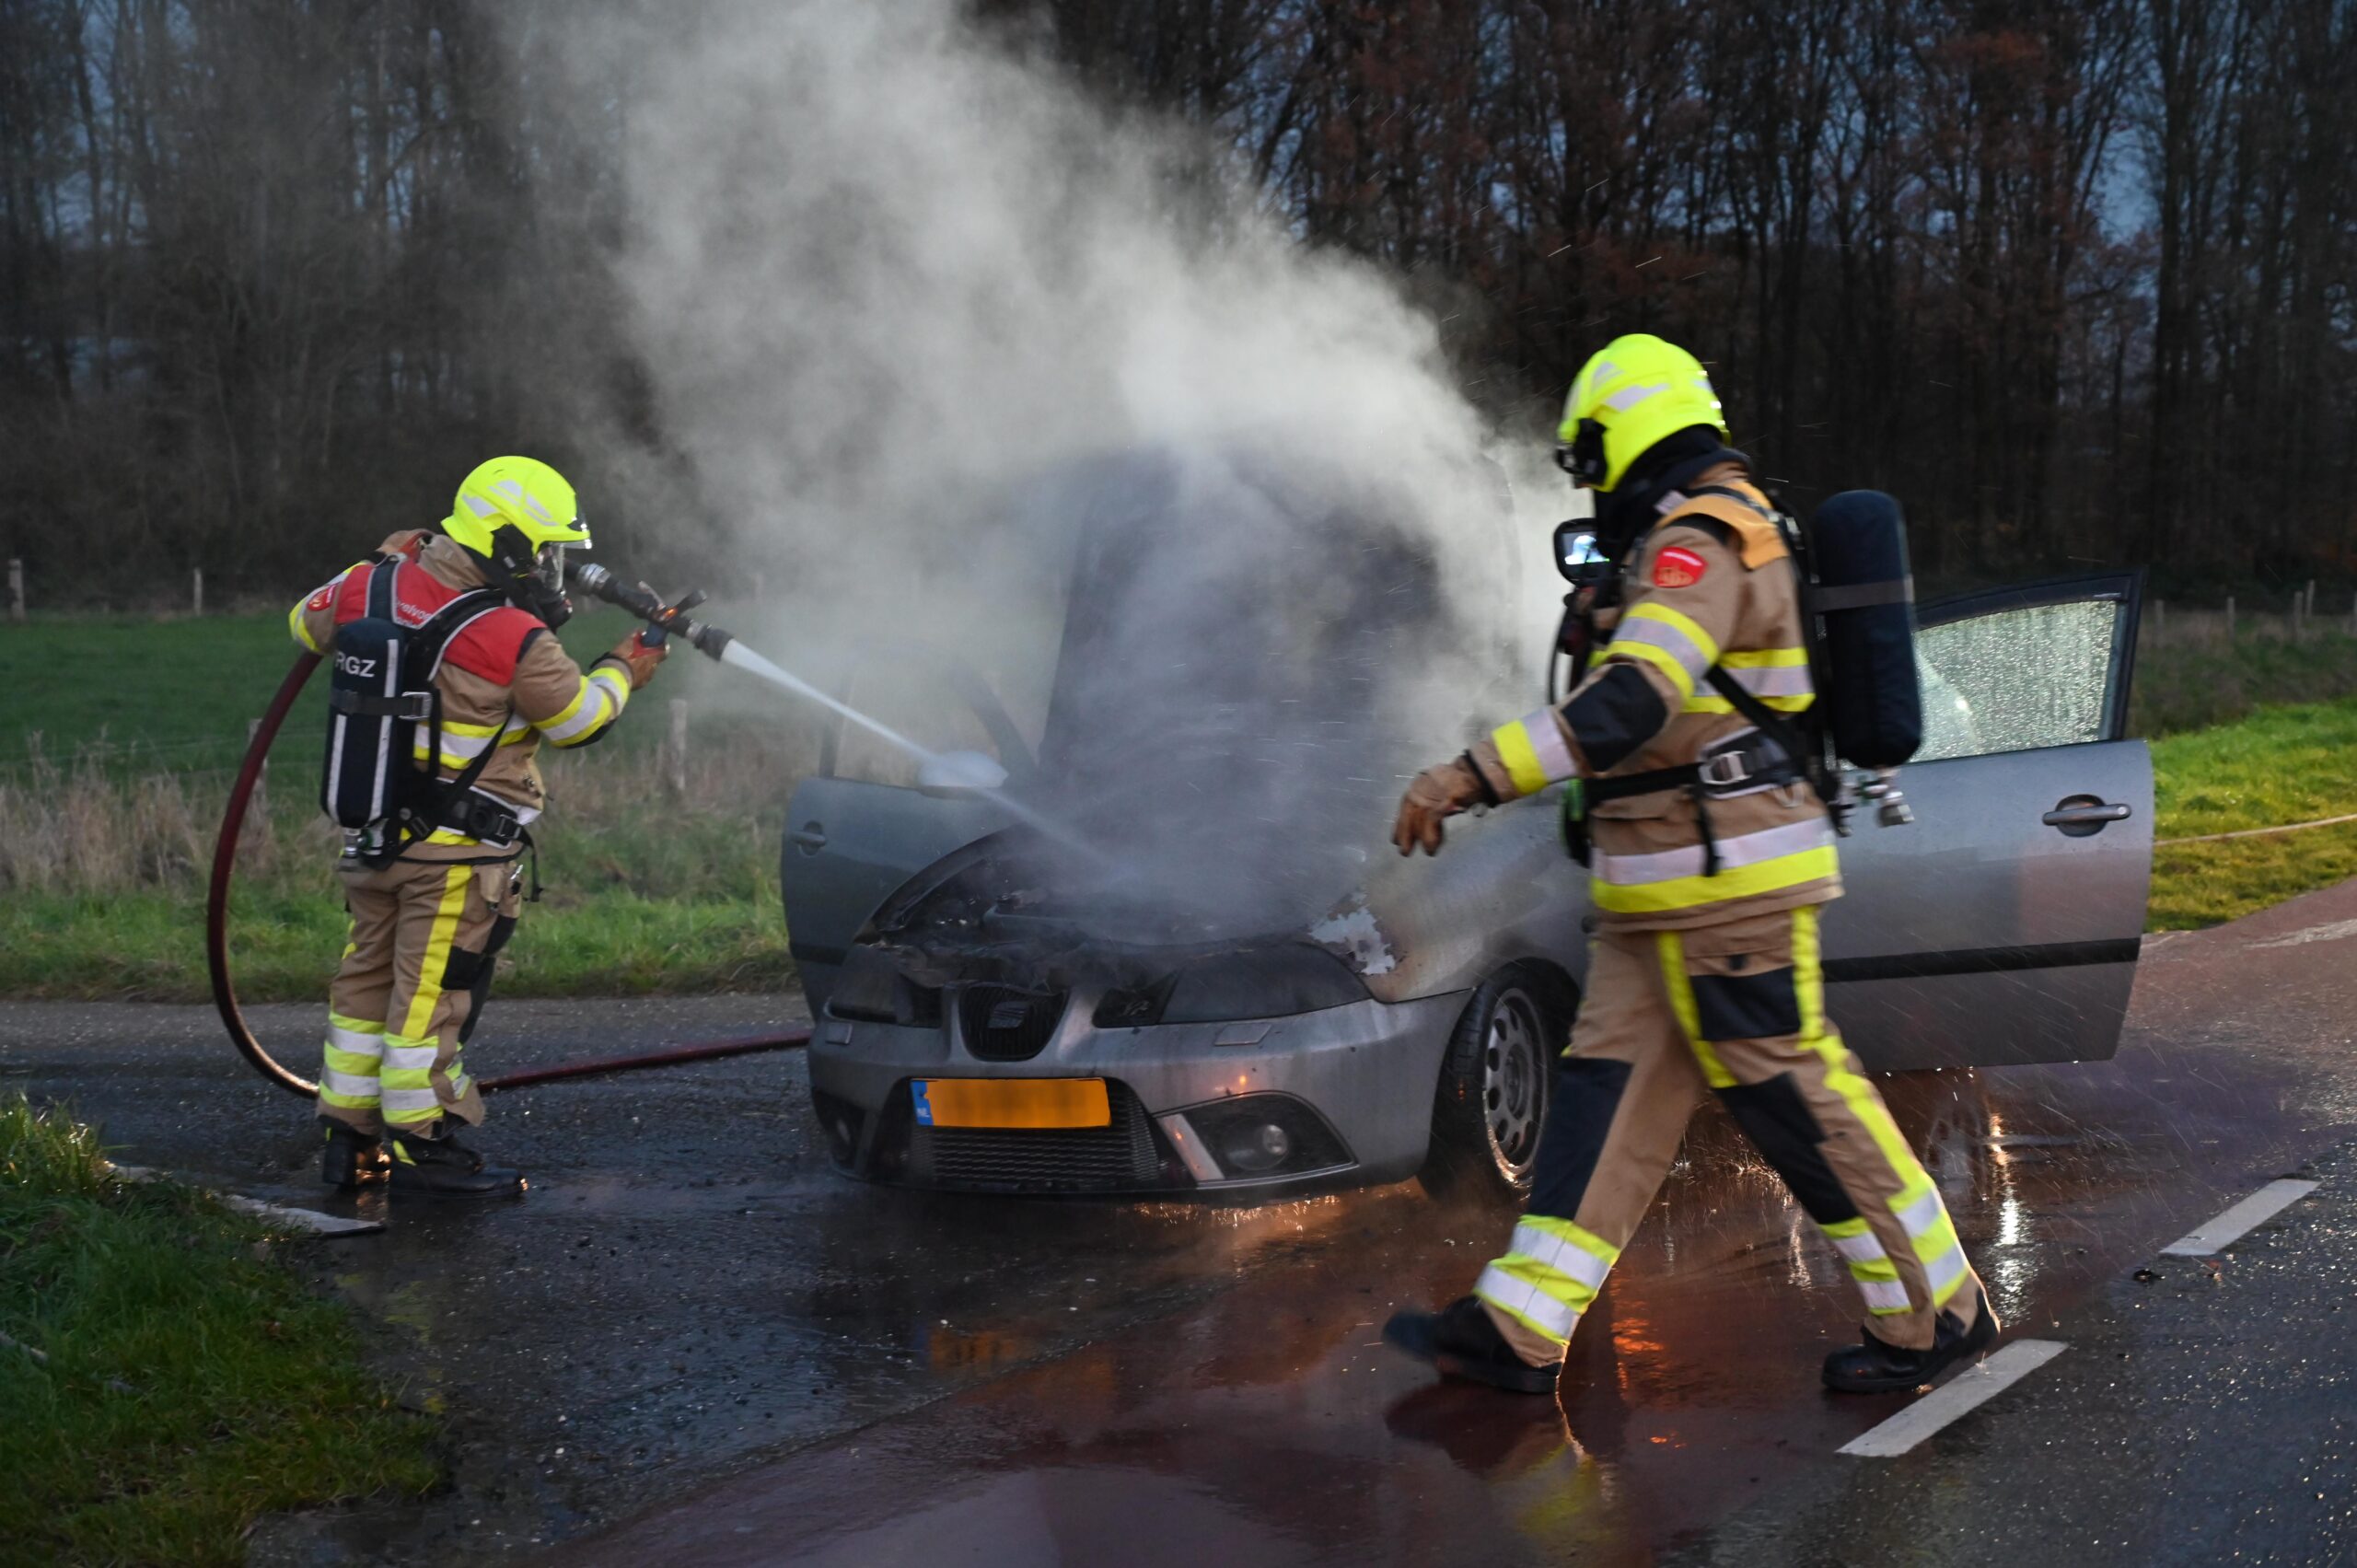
point(1252, 1136)
point(1265, 1147)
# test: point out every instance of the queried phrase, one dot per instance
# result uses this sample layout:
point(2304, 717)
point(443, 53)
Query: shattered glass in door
point(2016, 680)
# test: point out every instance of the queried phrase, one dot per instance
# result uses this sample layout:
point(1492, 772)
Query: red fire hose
point(224, 994)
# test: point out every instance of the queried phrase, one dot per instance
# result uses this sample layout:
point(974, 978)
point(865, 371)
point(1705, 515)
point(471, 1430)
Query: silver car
point(985, 1023)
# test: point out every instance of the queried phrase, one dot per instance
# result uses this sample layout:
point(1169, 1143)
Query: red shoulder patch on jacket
point(1678, 567)
point(417, 594)
point(492, 643)
point(352, 594)
point(321, 600)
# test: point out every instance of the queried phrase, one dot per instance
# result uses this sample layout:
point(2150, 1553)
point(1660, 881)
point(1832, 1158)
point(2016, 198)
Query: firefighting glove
point(640, 656)
point(1435, 795)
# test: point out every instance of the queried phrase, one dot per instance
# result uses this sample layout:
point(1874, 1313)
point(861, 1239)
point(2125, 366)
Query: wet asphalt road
point(691, 1326)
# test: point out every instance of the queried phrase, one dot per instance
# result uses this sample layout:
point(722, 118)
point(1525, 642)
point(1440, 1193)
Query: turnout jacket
point(1709, 584)
point(507, 682)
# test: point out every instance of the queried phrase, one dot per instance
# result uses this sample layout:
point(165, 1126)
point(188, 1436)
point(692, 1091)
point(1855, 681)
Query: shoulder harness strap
point(384, 577)
point(422, 661)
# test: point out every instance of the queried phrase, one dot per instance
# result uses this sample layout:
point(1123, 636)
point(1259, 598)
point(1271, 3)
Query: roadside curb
point(310, 1220)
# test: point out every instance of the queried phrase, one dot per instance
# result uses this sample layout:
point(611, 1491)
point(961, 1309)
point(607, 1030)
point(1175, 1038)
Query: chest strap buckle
point(1725, 770)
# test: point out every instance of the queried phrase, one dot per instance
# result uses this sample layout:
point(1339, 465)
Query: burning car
point(1002, 1006)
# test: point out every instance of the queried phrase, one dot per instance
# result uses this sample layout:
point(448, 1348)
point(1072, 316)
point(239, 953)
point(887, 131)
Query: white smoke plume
point(924, 325)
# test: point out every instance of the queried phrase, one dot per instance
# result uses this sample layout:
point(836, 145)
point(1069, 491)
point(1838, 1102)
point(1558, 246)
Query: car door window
point(2023, 669)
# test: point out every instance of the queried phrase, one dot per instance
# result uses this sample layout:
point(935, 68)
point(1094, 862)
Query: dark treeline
point(2074, 279)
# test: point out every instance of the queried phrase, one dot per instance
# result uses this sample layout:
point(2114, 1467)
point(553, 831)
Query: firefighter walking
point(432, 884)
point(1709, 857)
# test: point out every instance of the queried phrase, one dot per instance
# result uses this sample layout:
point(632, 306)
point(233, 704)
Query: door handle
point(810, 838)
point(2081, 815)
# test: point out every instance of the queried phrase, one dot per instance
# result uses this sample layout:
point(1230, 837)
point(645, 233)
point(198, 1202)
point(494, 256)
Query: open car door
point(2003, 924)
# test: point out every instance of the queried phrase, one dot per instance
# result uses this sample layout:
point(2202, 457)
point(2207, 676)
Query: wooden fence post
point(196, 590)
point(2160, 621)
point(2299, 628)
point(2230, 617)
point(16, 589)
point(675, 748)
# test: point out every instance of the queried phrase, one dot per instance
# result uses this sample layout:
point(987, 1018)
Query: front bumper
point(1352, 1085)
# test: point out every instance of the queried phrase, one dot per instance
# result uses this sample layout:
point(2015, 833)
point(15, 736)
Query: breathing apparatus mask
point(533, 579)
point(1590, 551)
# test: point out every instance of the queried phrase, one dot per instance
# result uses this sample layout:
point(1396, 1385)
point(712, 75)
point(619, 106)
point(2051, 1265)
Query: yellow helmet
point(1639, 390)
point(518, 516)
point(519, 493)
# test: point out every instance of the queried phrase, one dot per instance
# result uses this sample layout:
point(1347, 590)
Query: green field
point(180, 691)
point(166, 1379)
point(2295, 764)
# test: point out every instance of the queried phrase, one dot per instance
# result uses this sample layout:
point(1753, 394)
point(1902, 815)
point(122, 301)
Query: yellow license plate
point(1013, 1102)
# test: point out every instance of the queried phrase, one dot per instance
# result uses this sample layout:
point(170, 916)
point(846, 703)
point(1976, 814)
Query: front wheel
point(1492, 1101)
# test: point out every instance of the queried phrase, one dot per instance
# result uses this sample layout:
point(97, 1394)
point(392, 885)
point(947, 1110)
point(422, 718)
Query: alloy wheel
point(1514, 1082)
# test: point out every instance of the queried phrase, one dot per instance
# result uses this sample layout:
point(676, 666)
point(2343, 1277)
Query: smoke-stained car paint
point(1408, 1028)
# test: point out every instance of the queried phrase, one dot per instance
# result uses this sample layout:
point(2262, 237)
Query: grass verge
point(165, 1382)
point(2279, 765)
point(148, 946)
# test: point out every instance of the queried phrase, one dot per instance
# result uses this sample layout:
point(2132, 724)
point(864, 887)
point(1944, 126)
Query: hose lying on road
point(225, 994)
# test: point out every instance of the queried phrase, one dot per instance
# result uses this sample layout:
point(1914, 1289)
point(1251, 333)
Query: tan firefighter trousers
point(1738, 1008)
point(425, 937)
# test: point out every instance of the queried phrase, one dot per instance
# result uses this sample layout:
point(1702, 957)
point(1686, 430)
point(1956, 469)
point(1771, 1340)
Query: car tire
point(1492, 1101)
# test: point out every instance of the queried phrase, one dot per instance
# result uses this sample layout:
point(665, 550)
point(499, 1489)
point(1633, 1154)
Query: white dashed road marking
point(2232, 1226)
point(1966, 1391)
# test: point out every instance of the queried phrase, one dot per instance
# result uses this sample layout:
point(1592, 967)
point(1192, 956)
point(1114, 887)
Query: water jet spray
point(965, 771)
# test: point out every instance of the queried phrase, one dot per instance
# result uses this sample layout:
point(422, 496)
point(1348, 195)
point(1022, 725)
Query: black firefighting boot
point(1459, 1341)
point(439, 1166)
point(352, 1156)
point(1878, 1368)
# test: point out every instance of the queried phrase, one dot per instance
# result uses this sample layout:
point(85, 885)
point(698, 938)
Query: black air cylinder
point(1865, 595)
point(369, 747)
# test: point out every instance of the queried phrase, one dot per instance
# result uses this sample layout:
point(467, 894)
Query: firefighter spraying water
point(444, 683)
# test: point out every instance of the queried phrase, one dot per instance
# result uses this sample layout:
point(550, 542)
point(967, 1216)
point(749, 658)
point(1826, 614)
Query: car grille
point(1122, 1156)
point(1002, 1024)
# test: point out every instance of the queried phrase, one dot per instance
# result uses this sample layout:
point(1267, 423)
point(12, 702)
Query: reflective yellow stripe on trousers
point(351, 1058)
point(1549, 1275)
point(1920, 1214)
point(1870, 1266)
point(408, 1075)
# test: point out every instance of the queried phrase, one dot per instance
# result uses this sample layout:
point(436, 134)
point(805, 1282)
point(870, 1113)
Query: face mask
point(544, 586)
point(534, 582)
